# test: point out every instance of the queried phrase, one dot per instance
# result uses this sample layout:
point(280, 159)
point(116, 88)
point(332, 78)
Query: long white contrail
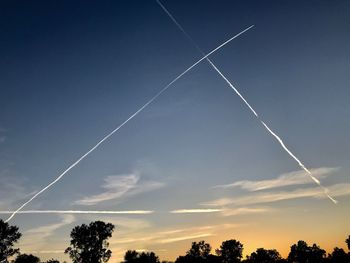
point(248, 105)
point(121, 125)
point(108, 212)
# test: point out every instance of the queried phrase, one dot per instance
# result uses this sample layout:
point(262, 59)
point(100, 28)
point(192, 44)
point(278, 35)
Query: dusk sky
point(72, 71)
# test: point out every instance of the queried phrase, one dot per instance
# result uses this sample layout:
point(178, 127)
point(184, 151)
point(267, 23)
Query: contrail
point(248, 105)
point(126, 212)
point(125, 122)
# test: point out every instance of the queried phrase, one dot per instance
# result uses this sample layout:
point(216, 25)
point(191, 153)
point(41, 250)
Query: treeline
point(89, 244)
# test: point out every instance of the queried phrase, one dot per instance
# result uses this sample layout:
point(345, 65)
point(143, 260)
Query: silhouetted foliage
point(230, 251)
point(302, 253)
point(9, 235)
point(24, 258)
point(132, 256)
point(338, 256)
point(199, 250)
point(89, 243)
point(264, 256)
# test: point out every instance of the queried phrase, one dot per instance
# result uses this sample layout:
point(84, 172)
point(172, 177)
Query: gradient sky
point(71, 71)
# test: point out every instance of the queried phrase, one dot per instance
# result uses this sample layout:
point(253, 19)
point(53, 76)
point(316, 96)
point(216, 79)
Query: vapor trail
point(121, 125)
point(248, 105)
point(126, 212)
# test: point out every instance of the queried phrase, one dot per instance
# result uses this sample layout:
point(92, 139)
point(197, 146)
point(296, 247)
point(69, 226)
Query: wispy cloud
point(187, 237)
point(287, 179)
point(48, 230)
point(195, 211)
point(223, 211)
point(269, 197)
point(12, 188)
point(120, 186)
point(244, 210)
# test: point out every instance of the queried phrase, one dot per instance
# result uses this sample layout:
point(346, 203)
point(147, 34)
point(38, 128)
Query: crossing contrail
point(326, 191)
point(125, 122)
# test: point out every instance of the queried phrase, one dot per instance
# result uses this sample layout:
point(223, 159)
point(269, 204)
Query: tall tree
point(9, 235)
point(89, 243)
point(24, 258)
point(230, 251)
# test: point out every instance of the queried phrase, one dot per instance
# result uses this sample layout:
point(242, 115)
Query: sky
point(72, 71)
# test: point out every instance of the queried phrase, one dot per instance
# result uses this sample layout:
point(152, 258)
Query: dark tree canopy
point(132, 256)
point(199, 250)
point(198, 253)
point(9, 235)
point(347, 241)
point(302, 253)
point(262, 255)
point(89, 243)
point(52, 261)
point(230, 251)
point(24, 258)
point(339, 256)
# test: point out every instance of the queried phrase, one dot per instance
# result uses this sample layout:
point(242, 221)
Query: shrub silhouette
point(24, 258)
point(132, 256)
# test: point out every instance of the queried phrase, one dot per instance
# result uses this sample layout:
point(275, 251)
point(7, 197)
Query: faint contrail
point(194, 211)
point(126, 121)
point(126, 212)
point(250, 107)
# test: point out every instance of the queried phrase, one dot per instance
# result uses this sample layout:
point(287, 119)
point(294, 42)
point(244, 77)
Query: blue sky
point(71, 72)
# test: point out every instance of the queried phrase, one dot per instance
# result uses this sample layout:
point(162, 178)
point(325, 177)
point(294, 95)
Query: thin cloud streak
point(270, 197)
point(194, 211)
point(325, 190)
point(121, 125)
point(287, 179)
point(182, 238)
point(244, 211)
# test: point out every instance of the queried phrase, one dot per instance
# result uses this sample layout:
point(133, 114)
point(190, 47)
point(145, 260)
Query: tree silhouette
point(316, 254)
point(199, 250)
point(9, 235)
point(24, 258)
point(52, 261)
point(132, 256)
point(347, 241)
point(89, 243)
point(302, 253)
point(298, 252)
point(338, 256)
point(230, 251)
point(264, 256)
point(198, 253)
